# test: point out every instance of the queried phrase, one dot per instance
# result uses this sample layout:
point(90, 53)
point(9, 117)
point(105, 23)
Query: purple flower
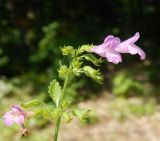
point(16, 115)
point(112, 47)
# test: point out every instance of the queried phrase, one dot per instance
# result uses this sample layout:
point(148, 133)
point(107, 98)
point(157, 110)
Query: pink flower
point(16, 115)
point(112, 47)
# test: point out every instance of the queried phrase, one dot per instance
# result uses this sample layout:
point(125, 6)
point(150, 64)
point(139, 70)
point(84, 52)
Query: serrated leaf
point(94, 74)
point(32, 103)
point(68, 50)
point(63, 71)
point(81, 114)
point(46, 111)
point(85, 48)
point(65, 104)
point(91, 58)
point(77, 72)
point(55, 91)
point(77, 64)
point(56, 113)
point(67, 116)
point(76, 67)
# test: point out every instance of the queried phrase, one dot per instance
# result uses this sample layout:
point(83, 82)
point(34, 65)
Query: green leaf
point(94, 74)
point(32, 103)
point(55, 91)
point(65, 104)
point(91, 58)
point(69, 50)
point(81, 114)
point(48, 112)
point(56, 113)
point(85, 48)
point(67, 116)
point(76, 64)
point(77, 72)
point(63, 71)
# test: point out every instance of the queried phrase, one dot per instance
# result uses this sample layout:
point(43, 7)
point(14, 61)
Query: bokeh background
point(126, 107)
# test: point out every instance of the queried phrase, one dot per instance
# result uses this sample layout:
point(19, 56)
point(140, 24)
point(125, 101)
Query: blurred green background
point(31, 34)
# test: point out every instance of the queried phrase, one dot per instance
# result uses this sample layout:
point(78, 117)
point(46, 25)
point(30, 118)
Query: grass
point(106, 110)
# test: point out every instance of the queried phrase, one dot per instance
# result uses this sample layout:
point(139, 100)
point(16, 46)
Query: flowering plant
point(111, 49)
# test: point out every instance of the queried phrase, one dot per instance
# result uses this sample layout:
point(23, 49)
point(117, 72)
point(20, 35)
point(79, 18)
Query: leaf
point(65, 103)
point(81, 114)
point(85, 48)
point(68, 50)
point(56, 113)
point(48, 112)
point(32, 103)
point(91, 58)
point(94, 74)
point(55, 91)
point(67, 116)
point(63, 71)
point(76, 64)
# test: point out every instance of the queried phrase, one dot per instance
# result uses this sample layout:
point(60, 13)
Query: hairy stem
point(65, 84)
point(58, 122)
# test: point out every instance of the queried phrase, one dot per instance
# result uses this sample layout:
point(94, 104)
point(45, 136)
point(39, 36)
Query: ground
point(113, 119)
point(110, 128)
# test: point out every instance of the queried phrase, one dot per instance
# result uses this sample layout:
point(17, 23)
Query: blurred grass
point(131, 98)
point(119, 109)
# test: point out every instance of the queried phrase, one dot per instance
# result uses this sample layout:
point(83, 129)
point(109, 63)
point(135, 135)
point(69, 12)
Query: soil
point(108, 128)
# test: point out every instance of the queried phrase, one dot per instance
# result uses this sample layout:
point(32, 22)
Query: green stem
point(56, 131)
point(65, 83)
point(61, 98)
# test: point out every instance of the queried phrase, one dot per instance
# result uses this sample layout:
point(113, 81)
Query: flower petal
point(16, 115)
point(122, 48)
point(8, 121)
point(100, 50)
point(112, 47)
point(17, 108)
point(113, 56)
point(133, 49)
point(111, 41)
point(132, 39)
point(19, 119)
point(8, 114)
point(108, 38)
